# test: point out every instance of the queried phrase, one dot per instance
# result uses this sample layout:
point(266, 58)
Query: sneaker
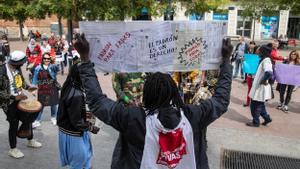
point(285, 109)
point(53, 120)
point(36, 124)
point(16, 153)
point(34, 144)
point(295, 89)
point(279, 107)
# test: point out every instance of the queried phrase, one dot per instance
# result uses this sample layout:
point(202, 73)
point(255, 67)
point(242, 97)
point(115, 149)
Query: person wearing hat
point(261, 90)
point(13, 84)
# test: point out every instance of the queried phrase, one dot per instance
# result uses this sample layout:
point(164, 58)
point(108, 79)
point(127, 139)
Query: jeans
point(53, 112)
point(258, 109)
point(238, 66)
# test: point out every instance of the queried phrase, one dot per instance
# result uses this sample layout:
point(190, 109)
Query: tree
point(199, 7)
point(254, 9)
point(16, 10)
point(292, 5)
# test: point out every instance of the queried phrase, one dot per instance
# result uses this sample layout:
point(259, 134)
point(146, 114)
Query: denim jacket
point(52, 69)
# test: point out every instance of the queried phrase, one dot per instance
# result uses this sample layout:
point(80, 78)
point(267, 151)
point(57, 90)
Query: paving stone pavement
point(281, 137)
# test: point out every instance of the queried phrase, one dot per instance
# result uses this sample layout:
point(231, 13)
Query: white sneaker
point(53, 120)
point(285, 109)
point(34, 144)
point(36, 124)
point(16, 153)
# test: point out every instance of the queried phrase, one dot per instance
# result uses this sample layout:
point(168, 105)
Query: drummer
point(14, 83)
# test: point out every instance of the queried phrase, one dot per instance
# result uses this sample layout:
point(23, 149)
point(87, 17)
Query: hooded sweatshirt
point(136, 136)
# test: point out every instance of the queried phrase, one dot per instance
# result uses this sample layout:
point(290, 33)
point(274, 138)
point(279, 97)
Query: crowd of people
point(161, 118)
point(258, 94)
point(43, 62)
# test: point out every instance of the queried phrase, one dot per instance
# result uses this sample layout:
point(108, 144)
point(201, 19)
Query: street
point(281, 137)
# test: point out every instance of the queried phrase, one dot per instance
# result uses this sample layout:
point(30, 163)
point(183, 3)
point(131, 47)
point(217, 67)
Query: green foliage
point(99, 9)
point(200, 6)
point(15, 10)
point(293, 5)
point(119, 9)
point(38, 9)
point(254, 9)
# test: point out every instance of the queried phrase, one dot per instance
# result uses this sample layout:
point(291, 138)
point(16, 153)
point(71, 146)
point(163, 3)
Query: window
point(244, 25)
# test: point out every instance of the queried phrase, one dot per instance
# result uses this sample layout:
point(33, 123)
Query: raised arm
point(111, 112)
point(211, 109)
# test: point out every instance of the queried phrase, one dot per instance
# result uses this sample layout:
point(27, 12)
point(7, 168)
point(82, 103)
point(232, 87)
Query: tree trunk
point(253, 34)
point(60, 32)
point(70, 30)
point(21, 30)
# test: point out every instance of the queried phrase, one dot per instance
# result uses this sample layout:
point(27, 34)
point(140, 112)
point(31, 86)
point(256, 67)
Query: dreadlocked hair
point(160, 91)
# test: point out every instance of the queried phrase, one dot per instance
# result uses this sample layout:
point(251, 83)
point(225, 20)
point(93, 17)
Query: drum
point(28, 112)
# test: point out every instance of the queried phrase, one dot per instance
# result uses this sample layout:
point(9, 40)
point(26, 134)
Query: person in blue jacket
point(45, 78)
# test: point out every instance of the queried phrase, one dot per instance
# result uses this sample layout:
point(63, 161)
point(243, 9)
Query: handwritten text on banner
point(146, 46)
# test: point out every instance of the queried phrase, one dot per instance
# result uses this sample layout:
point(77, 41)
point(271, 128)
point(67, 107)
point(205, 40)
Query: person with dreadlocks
point(74, 139)
point(164, 132)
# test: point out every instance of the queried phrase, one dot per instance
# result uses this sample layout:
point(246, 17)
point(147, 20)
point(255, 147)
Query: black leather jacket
point(71, 112)
point(130, 121)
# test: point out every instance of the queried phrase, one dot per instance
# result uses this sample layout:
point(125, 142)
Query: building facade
point(283, 23)
point(47, 25)
point(268, 27)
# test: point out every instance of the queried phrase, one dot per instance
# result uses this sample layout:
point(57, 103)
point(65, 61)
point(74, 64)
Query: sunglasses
point(46, 58)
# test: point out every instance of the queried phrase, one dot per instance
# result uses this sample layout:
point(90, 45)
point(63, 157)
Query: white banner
point(146, 46)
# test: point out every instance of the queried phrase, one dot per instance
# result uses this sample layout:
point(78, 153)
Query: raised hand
point(82, 46)
point(226, 49)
